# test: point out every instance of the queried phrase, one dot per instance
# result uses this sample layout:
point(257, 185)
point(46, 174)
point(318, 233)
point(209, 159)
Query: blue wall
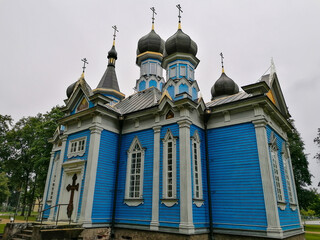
point(200, 214)
point(237, 194)
point(141, 214)
point(289, 219)
point(170, 216)
point(106, 170)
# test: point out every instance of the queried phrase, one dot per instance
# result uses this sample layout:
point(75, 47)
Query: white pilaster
point(156, 174)
point(47, 186)
point(90, 180)
point(274, 229)
point(186, 219)
point(58, 176)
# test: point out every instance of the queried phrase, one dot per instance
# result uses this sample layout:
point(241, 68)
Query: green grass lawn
point(2, 228)
point(313, 228)
point(310, 236)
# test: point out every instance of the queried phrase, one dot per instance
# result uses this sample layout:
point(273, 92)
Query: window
point(135, 168)
point(197, 173)
point(183, 71)
point(287, 172)
point(172, 72)
point(153, 68)
point(191, 73)
point(276, 169)
point(169, 189)
point(77, 147)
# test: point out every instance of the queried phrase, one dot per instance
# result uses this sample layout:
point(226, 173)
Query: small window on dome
point(169, 115)
point(153, 68)
point(83, 105)
point(172, 72)
point(183, 71)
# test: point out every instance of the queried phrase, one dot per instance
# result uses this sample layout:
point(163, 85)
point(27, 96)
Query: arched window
point(276, 168)
point(169, 189)
point(196, 162)
point(134, 177)
point(287, 172)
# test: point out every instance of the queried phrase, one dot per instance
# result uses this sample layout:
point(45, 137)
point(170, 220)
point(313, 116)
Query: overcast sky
point(42, 43)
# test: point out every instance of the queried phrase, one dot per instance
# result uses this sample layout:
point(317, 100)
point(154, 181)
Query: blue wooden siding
point(183, 88)
point(142, 85)
point(85, 133)
point(289, 219)
point(141, 214)
point(170, 90)
point(237, 194)
point(200, 214)
point(153, 83)
point(169, 216)
point(106, 170)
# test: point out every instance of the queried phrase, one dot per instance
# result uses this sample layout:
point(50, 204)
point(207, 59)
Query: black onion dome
point(151, 42)
point(70, 89)
point(113, 53)
point(181, 42)
point(224, 86)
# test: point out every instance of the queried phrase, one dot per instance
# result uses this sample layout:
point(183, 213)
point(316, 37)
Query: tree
point(5, 123)
point(317, 141)
point(4, 189)
point(300, 164)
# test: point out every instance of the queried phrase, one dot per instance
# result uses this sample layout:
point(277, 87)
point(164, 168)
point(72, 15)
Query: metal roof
point(139, 101)
point(228, 99)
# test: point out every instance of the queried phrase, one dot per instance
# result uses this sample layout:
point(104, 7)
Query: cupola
point(224, 86)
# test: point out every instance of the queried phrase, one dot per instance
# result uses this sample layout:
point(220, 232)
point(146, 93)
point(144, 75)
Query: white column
point(156, 174)
point(270, 201)
point(90, 180)
point(186, 219)
point(58, 176)
point(48, 185)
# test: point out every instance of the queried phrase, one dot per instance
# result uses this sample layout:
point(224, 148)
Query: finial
point(153, 13)
point(84, 60)
point(179, 16)
point(114, 34)
point(222, 57)
point(272, 70)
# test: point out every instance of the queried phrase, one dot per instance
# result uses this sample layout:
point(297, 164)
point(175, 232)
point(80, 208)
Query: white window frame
point(197, 170)
point(169, 199)
point(133, 151)
point(172, 71)
point(153, 68)
point(77, 147)
point(277, 172)
point(183, 71)
point(288, 172)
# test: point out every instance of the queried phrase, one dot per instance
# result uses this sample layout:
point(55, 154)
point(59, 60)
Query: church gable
point(79, 101)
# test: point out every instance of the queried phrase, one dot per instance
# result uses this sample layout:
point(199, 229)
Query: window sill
point(282, 205)
point(293, 206)
point(198, 202)
point(169, 202)
point(76, 154)
point(133, 202)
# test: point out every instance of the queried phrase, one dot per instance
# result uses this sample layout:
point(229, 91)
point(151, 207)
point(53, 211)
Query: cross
point(84, 60)
point(180, 11)
point(153, 13)
point(72, 188)
point(222, 57)
point(115, 32)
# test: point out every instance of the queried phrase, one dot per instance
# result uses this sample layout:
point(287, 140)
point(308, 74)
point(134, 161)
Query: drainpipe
point(206, 117)
point(121, 119)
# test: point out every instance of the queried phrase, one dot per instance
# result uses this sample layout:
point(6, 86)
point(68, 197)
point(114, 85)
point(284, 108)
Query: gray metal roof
point(139, 101)
point(109, 79)
point(228, 99)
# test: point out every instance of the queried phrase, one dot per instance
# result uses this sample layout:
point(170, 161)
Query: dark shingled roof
point(109, 79)
point(180, 42)
point(228, 99)
point(139, 101)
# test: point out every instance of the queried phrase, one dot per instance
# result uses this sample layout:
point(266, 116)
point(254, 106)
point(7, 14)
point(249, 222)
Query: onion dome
point(70, 89)
point(151, 42)
point(180, 42)
point(224, 86)
point(113, 53)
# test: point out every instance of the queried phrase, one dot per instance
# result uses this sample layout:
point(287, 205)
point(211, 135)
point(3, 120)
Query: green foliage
point(4, 189)
point(309, 213)
point(300, 164)
point(317, 141)
point(27, 155)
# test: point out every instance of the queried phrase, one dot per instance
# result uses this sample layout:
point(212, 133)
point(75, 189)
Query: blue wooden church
point(163, 163)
